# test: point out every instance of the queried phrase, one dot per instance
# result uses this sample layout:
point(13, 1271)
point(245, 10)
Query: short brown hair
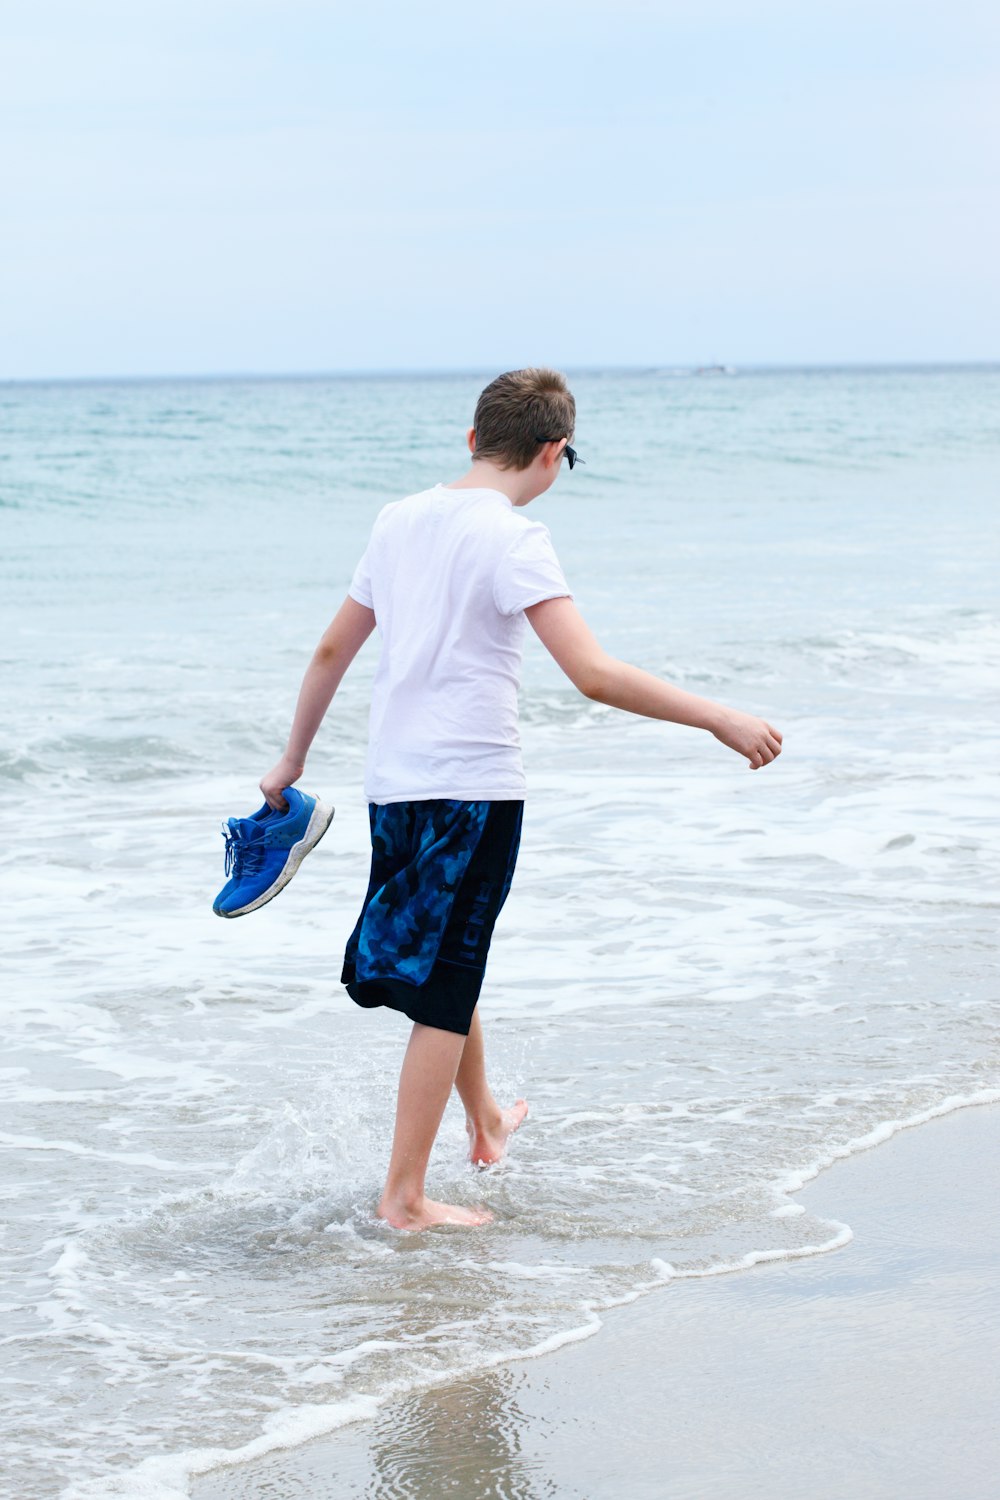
point(518, 408)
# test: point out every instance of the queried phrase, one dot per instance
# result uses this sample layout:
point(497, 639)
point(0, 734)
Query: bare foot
point(487, 1144)
point(422, 1215)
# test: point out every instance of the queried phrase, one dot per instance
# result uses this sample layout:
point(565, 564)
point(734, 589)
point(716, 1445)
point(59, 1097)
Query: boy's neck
point(519, 485)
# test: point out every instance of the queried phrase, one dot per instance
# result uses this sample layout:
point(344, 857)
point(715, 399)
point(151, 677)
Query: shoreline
point(870, 1365)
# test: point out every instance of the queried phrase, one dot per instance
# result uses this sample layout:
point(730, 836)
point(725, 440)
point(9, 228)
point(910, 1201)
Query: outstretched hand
point(280, 776)
point(755, 738)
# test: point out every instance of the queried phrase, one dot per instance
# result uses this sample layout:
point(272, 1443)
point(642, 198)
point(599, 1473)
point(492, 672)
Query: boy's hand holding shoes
point(282, 775)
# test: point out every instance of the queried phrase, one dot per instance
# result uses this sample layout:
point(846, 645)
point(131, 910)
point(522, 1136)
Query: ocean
point(709, 983)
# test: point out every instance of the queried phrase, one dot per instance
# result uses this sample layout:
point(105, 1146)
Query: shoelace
point(242, 858)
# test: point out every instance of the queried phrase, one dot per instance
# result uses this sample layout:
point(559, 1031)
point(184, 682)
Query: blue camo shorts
point(440, 873)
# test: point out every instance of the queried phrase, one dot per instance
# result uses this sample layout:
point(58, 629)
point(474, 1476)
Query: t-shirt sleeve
point(361, 583)
point(529, 572)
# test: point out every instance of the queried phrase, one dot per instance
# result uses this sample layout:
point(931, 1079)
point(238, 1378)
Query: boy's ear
point(470, 438)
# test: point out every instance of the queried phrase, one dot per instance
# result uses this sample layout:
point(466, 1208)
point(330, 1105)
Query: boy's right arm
point(568, 638)
point(341, 641)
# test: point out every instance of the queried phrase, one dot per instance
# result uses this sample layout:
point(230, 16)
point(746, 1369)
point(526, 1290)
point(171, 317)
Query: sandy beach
point(870, 1370)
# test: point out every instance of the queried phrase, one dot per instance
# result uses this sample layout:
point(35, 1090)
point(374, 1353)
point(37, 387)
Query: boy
point(450, 576)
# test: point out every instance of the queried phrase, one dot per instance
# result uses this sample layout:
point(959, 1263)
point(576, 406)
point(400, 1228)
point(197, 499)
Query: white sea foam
point(168, 1478)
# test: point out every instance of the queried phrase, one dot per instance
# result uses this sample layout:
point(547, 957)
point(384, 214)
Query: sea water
point(708, 982)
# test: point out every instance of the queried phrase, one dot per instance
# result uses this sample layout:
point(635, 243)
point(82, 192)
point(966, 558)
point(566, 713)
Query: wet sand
point(869, 1371)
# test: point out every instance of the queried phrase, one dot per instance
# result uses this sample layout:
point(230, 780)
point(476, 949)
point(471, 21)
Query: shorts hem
point(445, 1001)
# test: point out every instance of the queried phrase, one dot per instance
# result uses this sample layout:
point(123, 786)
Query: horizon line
point(457, 372)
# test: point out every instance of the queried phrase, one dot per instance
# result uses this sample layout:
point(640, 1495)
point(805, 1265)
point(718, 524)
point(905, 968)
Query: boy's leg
point(488, 1125)
point(425, 1082)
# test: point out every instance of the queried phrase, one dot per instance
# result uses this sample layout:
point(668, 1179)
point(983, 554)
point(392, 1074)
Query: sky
point(299, 187)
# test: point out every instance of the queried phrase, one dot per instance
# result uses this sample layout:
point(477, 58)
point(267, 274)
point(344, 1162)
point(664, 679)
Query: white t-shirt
point(449, 573)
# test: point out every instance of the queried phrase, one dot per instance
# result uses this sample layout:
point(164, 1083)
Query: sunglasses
point(571, 453)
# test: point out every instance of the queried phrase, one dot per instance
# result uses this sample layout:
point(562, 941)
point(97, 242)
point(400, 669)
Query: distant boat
point(714, 370)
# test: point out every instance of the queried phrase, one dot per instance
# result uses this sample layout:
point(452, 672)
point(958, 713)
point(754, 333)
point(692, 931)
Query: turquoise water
point(707, 982)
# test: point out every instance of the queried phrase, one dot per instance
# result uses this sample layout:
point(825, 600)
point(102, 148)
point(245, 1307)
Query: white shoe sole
point(322, 817)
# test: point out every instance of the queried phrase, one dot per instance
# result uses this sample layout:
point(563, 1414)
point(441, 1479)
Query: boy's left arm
point(568, 638)
point(341, 641)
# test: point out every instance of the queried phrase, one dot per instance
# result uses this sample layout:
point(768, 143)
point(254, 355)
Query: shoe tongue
point(247, 829)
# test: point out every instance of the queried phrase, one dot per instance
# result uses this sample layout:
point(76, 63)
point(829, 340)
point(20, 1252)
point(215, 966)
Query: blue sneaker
point(264, 851)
